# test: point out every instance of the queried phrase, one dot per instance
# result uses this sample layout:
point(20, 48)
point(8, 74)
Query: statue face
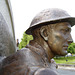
point(59, 38)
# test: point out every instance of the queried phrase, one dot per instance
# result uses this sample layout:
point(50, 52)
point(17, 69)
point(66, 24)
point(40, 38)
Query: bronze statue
point(51, 32)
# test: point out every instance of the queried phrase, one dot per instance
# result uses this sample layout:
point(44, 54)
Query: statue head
point(54, 27)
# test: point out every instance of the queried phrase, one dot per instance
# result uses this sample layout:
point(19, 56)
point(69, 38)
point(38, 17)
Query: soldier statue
point(51, 30)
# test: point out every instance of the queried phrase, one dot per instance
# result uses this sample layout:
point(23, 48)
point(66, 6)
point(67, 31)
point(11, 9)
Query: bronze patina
point(51, 36)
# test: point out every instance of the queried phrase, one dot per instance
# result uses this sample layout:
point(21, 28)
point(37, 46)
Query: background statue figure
point(51, 36)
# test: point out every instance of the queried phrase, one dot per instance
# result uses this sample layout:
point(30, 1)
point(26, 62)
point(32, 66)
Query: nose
point(70, 40)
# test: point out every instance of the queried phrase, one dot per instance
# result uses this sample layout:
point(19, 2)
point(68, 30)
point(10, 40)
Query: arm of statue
point(45, 71)
point(48, 71)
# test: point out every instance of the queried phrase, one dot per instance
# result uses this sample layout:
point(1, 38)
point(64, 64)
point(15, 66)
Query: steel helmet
point(49, 16)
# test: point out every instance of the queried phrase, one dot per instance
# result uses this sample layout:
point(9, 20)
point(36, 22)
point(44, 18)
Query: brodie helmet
point(49, 16)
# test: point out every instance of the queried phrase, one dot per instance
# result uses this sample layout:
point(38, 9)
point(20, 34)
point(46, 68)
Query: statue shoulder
point(19, 55)
point(14, 62)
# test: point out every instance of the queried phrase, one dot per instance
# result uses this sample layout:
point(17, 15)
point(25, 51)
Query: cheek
point(56, 42)
point(58, 39)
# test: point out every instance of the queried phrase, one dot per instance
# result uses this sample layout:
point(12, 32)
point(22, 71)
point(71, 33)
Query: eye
point(68, 30)
point(65, 31)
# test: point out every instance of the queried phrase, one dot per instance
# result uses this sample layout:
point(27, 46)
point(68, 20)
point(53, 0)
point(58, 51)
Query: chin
point(63, 53)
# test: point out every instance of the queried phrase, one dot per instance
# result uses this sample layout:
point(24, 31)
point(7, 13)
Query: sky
point(25, 10)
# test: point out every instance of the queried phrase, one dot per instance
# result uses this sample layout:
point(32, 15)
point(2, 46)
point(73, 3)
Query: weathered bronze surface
point(50, 39)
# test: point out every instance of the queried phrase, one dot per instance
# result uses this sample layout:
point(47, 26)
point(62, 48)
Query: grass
point(62, 60)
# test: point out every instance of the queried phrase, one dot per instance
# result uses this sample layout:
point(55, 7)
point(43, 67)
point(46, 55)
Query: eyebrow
point(65, 25)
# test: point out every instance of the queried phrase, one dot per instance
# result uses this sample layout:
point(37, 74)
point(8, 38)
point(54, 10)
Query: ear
point(43, 33)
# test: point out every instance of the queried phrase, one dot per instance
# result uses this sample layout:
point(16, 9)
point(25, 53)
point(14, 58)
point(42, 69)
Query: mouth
point(65, 47)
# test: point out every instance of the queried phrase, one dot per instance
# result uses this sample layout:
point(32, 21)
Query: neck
point(44, 47)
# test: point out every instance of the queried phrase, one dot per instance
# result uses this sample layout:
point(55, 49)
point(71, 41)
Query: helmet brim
point(71, 20)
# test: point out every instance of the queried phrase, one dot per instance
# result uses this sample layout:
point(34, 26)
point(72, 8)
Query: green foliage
point(62, 60)
point(71, 48)
point(25, 40)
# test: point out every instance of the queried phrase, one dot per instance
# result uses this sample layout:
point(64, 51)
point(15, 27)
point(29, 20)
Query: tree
point(71, 48)
point(25, 40)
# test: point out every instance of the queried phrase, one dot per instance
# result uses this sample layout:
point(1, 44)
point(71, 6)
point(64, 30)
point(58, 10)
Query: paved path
point(66, 72)
point(67, 68)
